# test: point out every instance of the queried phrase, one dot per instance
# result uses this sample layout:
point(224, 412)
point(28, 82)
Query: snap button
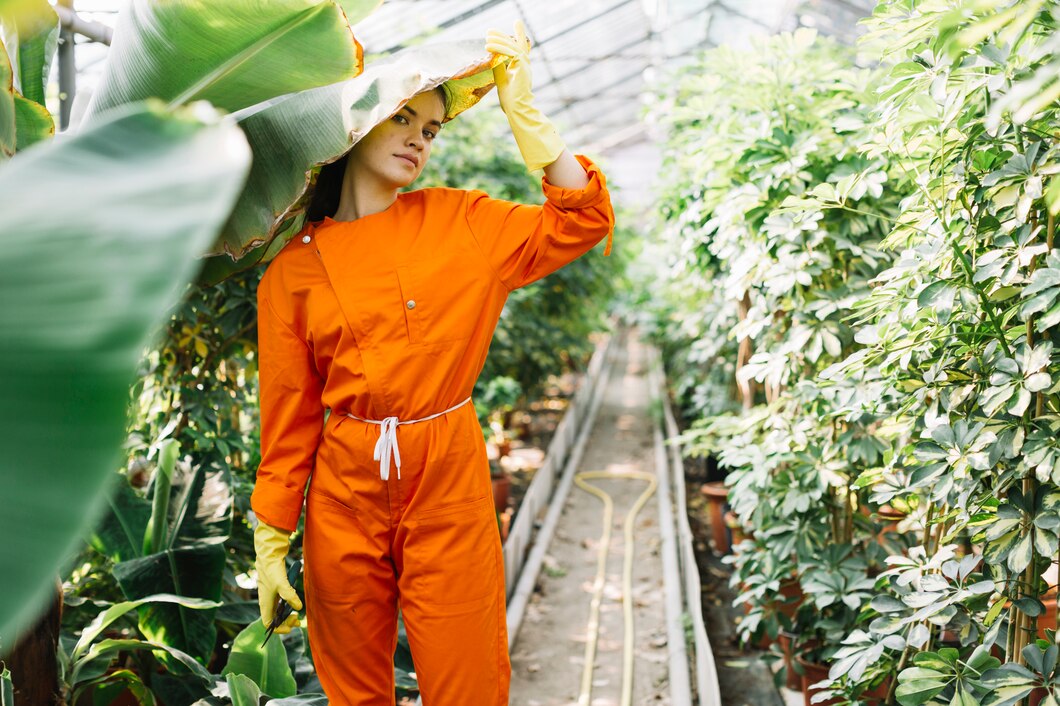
point(305, 238)
point(411, 303)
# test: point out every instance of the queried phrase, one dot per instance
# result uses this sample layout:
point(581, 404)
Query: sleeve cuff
point(277, 505)
point(593, 192)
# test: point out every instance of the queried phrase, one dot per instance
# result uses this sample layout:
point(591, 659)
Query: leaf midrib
point(229, 67)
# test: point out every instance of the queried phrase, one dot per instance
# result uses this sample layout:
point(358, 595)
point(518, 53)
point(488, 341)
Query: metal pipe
point(680, 687)
point(96, 31)
point(707, 687)
point(67, 69)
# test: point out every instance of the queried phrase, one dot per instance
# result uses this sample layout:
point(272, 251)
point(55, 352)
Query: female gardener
point(384, 314)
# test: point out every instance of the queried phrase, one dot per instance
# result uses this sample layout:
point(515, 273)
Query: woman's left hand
point(538, 141)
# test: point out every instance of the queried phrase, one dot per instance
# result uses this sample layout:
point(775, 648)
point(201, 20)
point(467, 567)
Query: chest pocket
point(442, 301)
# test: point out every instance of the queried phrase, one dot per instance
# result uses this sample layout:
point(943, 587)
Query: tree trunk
point(747, 388)
point(33, 661)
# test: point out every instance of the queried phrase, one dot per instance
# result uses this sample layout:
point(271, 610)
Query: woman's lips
point(407, 159)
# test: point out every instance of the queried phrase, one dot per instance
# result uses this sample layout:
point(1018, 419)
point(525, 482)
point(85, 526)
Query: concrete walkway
point(548, 658)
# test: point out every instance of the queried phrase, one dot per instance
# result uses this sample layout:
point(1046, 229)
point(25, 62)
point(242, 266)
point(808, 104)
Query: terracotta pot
point(793, 597)
point(878, 695)
point(812, 672)
point(792, 680)
point(791, 592)
point(504, 523)
point(736, 530)
point(501, 485)
point(717, 495)
point(890, 517)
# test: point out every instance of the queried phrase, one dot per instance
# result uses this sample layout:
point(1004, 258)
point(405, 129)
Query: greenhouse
point(487, 352)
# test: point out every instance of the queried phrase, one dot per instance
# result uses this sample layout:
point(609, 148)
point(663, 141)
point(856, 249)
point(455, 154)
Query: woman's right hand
point(270, 547)
point(537, 139)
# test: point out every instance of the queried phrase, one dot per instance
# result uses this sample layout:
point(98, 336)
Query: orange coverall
point(391, 315)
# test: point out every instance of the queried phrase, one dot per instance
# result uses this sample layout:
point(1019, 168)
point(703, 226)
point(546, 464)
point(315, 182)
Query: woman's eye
point(428, 134)
point(400, 118)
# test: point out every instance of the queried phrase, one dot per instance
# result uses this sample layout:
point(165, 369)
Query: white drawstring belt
point(387, 443)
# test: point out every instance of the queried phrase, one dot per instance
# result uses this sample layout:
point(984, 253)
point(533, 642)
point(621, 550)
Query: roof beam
point(603, 89)
point(465, 15)
point(571, 28)
point(619, 50)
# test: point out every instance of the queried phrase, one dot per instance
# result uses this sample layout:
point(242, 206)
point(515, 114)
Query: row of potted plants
point(865, 300)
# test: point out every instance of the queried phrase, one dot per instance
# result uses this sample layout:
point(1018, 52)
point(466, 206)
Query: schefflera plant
point(747, 131)
point(965, 323)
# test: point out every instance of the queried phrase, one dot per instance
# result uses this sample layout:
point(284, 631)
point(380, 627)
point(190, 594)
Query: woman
point(383, 313)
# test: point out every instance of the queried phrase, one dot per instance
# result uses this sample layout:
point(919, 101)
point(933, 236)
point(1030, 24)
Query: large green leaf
point(87, 277)
point(300, 700)
point(99, 657)
point(31, 37)
point(357, 10)
point(119, 535)
point(7, 689)
point(201, 507)
point(100, 623)
point(7, 107)
point(33, 123)
point(294, 135)
point(200, 512)
point(243, 690)
point(194, 572)
point(233, 54)
point(267, 666)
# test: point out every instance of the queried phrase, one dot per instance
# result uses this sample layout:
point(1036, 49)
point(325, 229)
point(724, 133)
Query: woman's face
point(396, 150)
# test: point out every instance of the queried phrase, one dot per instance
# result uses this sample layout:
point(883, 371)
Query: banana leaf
point(98, 237)
point(233, 54)
point(195, 571)
point(267, 666)
point(294, 135)
point(7, 106)
point(31, 38)
point(357, 10)
point(33, 123)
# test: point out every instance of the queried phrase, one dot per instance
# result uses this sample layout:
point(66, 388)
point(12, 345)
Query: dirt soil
point(548, 657)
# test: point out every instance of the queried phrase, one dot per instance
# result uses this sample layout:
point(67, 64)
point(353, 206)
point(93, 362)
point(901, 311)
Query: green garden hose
point(627, 581)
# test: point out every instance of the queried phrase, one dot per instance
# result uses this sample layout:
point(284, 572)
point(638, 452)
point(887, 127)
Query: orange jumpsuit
point(391, 316)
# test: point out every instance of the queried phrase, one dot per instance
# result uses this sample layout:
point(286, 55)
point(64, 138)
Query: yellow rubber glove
point(270, 547)
point(537, 139)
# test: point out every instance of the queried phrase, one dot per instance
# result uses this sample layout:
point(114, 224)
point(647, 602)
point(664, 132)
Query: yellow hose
point(627, 581)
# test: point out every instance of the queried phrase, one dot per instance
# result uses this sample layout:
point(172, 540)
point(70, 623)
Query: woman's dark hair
point(325, 198)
